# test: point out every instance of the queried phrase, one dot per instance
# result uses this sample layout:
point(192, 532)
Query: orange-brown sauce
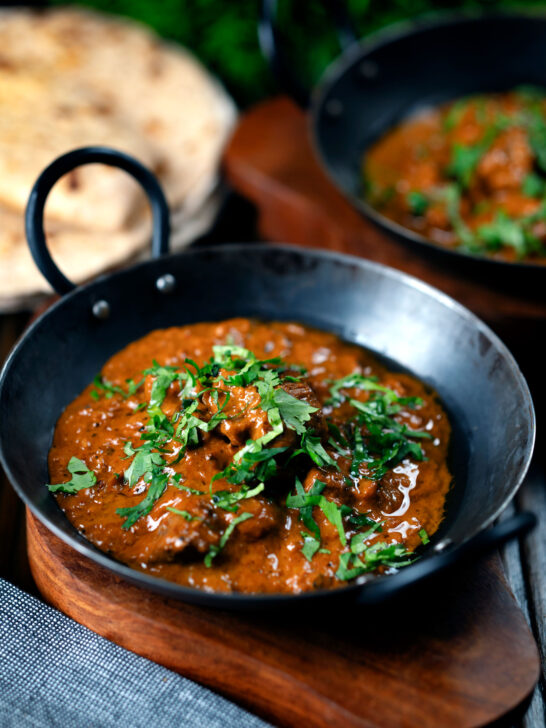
point(264, 553)
point(468, 175)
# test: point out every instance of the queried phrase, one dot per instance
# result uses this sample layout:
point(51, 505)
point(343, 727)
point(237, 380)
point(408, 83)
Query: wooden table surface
point(525, 563)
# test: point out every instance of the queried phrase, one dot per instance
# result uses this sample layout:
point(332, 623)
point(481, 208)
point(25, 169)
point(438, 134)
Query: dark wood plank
point(533, 551)
point(462, 657)
point(512, 559)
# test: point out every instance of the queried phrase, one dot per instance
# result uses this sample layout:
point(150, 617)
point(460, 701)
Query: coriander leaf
point(156, 489)
point(306, 500)
point(294, 412)
point(423, 535)
point(418, 202)
point(186, 488)
point(358, 542)
point(464, 160)
point(384, 437)
point(228, 354)
point(107, 389)
point(310, 545)
point(143, 463)
point(357, 381)
point(215, 549)
point(503, 231)
point(254, 446)
point(533, 185)
point(379, 554)
point(451, 196)
point(361, 519)
point(81, 478)
point(333, 514)
point(228, 500)
point(345, 572)
point(185, 514)
point(163, 377)
point(313, 447)
point(252, 466)
point(455, 114)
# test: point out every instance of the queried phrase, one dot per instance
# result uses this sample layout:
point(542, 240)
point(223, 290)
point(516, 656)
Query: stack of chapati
point(70, 78)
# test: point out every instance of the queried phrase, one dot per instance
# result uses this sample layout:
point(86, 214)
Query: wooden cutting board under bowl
point(457, 653)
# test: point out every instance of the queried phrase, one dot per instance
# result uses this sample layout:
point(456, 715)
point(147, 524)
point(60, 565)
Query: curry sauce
point(252, 457)
point(469, 175)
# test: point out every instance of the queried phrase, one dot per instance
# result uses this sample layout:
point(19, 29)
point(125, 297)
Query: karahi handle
point(34, 214)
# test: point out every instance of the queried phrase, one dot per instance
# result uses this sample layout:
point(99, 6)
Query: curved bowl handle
point(34, 214)
point(481, 544)
point(272, 49)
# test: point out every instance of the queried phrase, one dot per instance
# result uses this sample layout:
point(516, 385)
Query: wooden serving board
point(457, 654)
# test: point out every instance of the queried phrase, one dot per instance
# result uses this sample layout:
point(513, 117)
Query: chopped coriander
point(533, 185)
point(215, 549)
point(378, 554)
point(373, 436)
point(305, 502)
point(418, 202)
point(361, 519)
point(185, 514)
point(311, 545)
point(356, 381)
point(144, 462)
point(358, 542)
point(156, 489)
point(294, 412)
point(81, 478)
point(455, 114)
point(229, 500)
point(305, 507)
point(313, 447)
point(106, 388)
point(252, 466)
point(464, 160)
point(503, 231)
point(186, 488)
point(163, 377)
point(423, 535)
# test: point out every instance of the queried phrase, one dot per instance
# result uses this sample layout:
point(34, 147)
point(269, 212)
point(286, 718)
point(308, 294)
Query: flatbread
point(38, 122)
point(70, 78)
point(118, 72)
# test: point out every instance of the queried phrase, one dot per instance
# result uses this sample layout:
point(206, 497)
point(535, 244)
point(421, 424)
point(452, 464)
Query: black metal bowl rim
point(189, 594)
point(361, 48)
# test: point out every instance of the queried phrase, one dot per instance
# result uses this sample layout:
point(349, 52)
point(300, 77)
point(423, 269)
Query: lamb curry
point(469, 175)
point(252, 457)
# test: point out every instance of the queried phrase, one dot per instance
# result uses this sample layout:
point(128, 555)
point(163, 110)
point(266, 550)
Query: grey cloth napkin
point(54, 672)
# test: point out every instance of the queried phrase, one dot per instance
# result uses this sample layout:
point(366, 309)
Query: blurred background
point(222, 33)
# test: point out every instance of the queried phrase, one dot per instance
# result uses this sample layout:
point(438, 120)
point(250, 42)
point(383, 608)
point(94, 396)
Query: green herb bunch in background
point(223, 33)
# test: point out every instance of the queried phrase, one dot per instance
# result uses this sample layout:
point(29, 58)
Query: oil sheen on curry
point(252, 457)
point(470, 175)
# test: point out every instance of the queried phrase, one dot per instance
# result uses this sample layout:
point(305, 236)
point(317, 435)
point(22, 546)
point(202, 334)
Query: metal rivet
point(101, 309)
point(334, 108)
point(166, 283)
point(368, 69)
point(442, 545)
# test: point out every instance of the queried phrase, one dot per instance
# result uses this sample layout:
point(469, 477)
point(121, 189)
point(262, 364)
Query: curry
point(253, 457)
point(469, 175)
